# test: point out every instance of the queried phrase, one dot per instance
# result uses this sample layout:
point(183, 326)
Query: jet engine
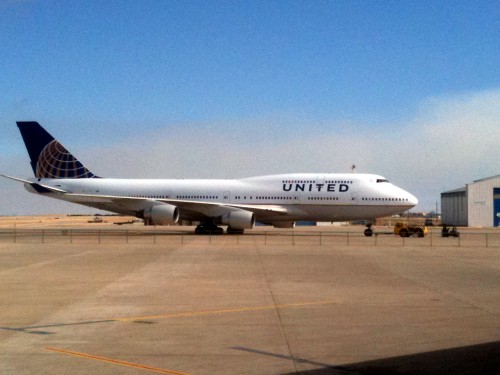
point(240, 219)
point(162, 214)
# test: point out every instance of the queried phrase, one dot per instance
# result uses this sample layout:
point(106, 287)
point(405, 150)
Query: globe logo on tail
point(56, 162)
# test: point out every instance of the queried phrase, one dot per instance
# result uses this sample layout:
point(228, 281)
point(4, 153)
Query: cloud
point(448, 142)
point(457, 140)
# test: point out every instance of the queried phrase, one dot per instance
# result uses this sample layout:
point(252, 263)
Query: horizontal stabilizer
point(40, 188)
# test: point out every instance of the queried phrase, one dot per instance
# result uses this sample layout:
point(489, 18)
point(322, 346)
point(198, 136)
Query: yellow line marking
point(223, 311)
point(177, 315)
point(116, 361)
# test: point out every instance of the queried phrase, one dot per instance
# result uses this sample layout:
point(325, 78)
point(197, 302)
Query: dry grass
point(57, 220)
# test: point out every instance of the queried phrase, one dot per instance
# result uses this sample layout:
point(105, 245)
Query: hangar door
point(496, 207)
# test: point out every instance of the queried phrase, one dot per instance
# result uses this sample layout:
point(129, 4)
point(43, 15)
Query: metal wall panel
point(454, 208)
point(480, 201)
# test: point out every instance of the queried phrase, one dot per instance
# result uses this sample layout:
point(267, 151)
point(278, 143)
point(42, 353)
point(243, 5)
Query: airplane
point(279, 200)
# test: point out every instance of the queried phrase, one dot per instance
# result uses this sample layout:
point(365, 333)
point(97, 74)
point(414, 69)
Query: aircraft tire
point(234, 231)
point(208, 229)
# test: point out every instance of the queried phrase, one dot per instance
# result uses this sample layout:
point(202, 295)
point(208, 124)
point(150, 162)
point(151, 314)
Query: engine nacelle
point(240, 219)
point(284, 224)
point(162, 214)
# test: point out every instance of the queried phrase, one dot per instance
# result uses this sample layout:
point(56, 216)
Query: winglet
point(49, 158)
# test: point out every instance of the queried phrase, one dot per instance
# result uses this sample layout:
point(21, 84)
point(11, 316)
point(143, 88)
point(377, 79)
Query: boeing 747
point(278, 200)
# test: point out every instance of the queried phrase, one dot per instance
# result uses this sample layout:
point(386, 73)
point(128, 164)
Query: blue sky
point(238, 88)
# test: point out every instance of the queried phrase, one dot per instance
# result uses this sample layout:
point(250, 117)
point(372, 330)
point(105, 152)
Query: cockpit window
point(379, 180)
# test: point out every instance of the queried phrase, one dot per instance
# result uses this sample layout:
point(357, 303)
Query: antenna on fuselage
point(353, 169)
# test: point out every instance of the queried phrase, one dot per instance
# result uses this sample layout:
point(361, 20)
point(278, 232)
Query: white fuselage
point(312, 197)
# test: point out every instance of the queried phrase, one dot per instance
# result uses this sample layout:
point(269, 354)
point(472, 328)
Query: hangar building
point(475, 205)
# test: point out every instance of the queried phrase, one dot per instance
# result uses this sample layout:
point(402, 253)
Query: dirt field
point(49, 221)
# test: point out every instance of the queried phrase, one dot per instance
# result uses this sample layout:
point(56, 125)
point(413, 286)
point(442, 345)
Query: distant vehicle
point(278, 200)
point(407, 230)
point(446, 232)
point(95, 219)
point(429, 223)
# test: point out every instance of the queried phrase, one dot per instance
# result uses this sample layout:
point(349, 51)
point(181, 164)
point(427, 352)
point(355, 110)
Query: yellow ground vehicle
point(407, 230)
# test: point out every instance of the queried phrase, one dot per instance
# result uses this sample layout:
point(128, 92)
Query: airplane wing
point(209, 209)
point(190, 210)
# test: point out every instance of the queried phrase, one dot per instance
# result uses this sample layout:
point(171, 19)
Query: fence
point(261, 237)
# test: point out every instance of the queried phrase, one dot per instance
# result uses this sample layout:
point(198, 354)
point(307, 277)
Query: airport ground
point(100, 298)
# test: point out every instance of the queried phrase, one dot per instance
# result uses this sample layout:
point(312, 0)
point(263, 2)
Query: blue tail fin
point(49, 158)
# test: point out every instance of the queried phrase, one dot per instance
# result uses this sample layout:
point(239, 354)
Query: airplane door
point(354, 198)
point(226, 197)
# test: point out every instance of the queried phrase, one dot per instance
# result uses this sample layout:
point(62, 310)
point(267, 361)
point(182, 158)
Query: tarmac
point(186, 304)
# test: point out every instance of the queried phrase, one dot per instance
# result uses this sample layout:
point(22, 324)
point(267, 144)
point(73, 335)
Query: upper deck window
point(379, 180)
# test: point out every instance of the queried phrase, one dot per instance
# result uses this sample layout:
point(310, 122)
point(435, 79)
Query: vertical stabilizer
point(49, 158)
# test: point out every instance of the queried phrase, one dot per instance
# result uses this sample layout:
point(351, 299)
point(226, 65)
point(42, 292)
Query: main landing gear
point(208, 228)
point(211, 228)
point(234, 231)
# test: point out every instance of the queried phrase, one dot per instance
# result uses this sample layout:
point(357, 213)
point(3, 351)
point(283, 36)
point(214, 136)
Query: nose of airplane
point(412, 199)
